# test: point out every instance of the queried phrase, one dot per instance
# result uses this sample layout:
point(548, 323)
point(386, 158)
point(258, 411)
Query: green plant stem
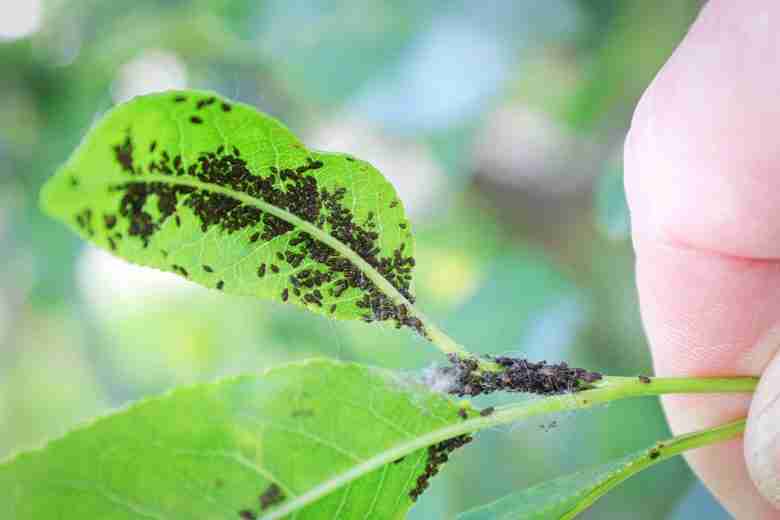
point(433, 333)
point(607, 390)
point(660, 452)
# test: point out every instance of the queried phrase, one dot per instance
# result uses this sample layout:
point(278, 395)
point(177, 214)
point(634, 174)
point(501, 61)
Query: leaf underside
point(237, 448)
point(563, 497)
point(216, 192)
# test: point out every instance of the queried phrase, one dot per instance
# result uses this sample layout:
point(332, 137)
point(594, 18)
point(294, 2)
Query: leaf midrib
point(380, 281)
point(430, 330)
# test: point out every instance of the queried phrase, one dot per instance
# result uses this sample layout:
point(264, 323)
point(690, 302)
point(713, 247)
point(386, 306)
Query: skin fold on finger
point(704, 313)
point(702, 168)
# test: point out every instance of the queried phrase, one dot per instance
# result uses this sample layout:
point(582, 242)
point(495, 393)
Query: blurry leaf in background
point(517, 289)
point(325, 53)
point(612, 215)
point(46, 381)
point(158, 330)
point(637, 36)
point(698, 503)
point(453, 68)
point(526, 149)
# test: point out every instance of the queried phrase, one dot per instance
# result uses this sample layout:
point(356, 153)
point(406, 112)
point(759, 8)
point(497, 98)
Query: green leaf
point(553, 499)
point(322, 439)
point(214, 191)
point(565, 497)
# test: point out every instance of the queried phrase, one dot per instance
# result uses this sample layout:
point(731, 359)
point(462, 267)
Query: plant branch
point(660, 452)
point(606, 390)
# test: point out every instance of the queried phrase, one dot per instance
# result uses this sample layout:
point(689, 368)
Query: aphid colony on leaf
point(295, 190)
point(438, 454)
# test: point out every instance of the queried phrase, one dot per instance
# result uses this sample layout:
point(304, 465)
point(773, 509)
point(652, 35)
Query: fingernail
point(762, 437)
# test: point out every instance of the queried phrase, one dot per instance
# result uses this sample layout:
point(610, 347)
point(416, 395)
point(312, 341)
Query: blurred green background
point(500, 122)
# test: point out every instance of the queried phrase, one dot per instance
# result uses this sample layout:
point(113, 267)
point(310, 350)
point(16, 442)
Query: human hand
point(702, 166)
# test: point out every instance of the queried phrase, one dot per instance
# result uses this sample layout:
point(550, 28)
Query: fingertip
point(702, 154)
point(762, 436)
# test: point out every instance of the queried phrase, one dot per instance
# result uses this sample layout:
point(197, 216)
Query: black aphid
point(196, 120)
point(285, 295)
point(644, 379)
point(179, 99)
point(109, 221)
point(226, 107)
point(153, 146)
point(111, 244)
point(208, 268)
point(220, 284)
point(204, 102)
point(272, 495)
point(254, 237)
point(246, 514)
point(261, 271)
point(333, 308)
point(487, 411)
point(177, 220)
point(179, 269)
point(274, 268)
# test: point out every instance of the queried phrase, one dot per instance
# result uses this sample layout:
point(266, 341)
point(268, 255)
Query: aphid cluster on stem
point(656, 451)
point(514, 375)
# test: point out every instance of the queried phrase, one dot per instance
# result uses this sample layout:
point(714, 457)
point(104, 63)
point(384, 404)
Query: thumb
point(762, 437)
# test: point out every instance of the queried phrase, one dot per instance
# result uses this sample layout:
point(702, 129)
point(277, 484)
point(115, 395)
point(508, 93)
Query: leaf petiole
point(660, 452)
point(607, 390)
point(564, 497)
